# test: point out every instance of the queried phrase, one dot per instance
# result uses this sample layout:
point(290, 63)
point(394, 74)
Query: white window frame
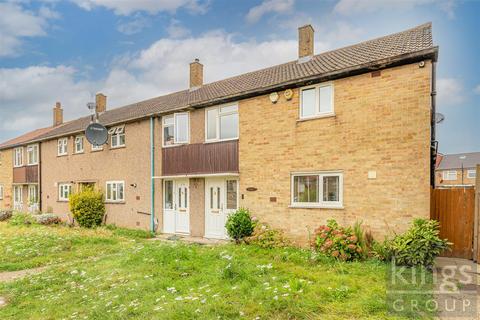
point(18, 157)
point(32, 152)
point(96, 148)
point(62, 146)
point(321, 204)
point(64, 189)
point(471, 174)
point(318, 113)
point(446, 175)
point(18, 197)
point(117, 132)
point(30, 188)
point(115, 184)
point(175, 141)
point(217, 122)
point(1, 192)
point(79, 140)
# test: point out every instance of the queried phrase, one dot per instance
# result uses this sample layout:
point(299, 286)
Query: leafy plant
point(87, 207)
point(5, 215)
point(20, 218)
point(419, 246)
point(338, 242)
point(266, 237)
point(47, 219)
point(240, 225)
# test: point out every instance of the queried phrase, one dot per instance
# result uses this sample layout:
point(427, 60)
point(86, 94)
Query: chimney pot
point(100, 103)
point(305, 41)
point(57, 114)
point(196, 74)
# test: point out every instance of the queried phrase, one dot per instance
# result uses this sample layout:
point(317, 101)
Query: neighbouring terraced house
point(457, 170)
point(344, 134)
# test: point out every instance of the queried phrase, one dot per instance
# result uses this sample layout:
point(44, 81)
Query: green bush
point(240, 225)
point(335, 241)
point(419, 246)
point(266, 237)
point(87, 207)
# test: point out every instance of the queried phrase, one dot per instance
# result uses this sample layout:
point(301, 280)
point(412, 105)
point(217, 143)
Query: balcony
point(25, 175)
point(200, 158)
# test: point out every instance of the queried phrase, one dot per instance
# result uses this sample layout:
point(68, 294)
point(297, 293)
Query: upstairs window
point(222, 123)
point(32, 154)
point(18, 157)
point(96, 148)
point(450, 175)
point(62, 146)
point(316, 101)
point(323, 190)
point(471, 174)
point(79, 144)
point(117, 136)
point(176, 129)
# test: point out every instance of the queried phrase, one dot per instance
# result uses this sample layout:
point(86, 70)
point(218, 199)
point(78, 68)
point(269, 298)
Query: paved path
point(188, 239)
point(457, 289)
point(15, 275)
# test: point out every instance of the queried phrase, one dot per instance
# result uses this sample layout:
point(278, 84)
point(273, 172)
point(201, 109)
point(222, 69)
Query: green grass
point(111, 274)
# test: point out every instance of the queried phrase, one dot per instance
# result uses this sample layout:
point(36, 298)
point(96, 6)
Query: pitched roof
point(415, 43)
point(25, 138)
point(454, 161)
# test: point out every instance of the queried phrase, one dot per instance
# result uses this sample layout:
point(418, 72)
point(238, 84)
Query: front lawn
point(105, 274)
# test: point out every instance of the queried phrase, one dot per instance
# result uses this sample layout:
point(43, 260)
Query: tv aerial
point(439, 117)
point(96, 133)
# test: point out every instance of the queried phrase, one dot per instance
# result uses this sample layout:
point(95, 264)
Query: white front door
point(33, 198)
point(18, 198)
point(221, 199)
point(176, 214)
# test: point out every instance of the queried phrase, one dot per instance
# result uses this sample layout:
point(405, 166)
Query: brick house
point(344, 134)
point(457, 170)
point(20, 171)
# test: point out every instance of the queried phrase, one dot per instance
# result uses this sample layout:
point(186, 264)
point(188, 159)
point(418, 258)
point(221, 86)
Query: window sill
point(79, 153)
point(220, 140)
point(96, 150)
point(19, 166)
point(176, 145)
point(299, 206)
point(320, 116)
point(64, 201)
point(115, 202)
point(118, 147)
point(62, 155)
point(32, 164)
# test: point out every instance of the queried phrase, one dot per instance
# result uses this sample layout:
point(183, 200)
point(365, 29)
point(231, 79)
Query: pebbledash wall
point(381, 124)
point(6, 178)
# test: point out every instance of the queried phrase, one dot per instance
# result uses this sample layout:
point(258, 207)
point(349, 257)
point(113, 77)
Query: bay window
point(222, 123)
point(176, 129)
point(323, 190)
point(316, 101)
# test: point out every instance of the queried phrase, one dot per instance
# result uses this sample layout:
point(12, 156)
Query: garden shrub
point(266, 237)
point(5, 215)
point(87, 207)
point(240, 225)
point(419, 246)
point(47, 219)
point(338, 242)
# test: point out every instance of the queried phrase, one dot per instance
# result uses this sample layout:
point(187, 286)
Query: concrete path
point(457, 288)
point(15, 275)
point(188, 239)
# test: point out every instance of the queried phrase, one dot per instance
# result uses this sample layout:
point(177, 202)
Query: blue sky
point(137, 49)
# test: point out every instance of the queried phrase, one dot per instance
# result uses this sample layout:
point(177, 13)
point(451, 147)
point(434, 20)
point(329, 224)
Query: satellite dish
point(439, 117)
point(96, 134)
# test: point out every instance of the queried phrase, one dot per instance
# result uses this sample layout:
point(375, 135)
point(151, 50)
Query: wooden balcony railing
point(26, 174)
point(200, 158)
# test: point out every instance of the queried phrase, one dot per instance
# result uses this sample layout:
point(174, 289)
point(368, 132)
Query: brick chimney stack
point(196, 74)
point(305, 41)
point(100, 102)
point(57, 114)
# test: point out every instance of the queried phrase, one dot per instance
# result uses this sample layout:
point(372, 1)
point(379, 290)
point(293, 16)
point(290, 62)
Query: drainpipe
point(433, 95)
point(152, 174)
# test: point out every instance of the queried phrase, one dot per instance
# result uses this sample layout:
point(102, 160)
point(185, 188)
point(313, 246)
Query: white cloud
point(354, 7)
point(269, 6)
point(176, 30)
point(16, 23)
point(477, 89)
point(127, 7)
point(450, 92)
point(133, 26)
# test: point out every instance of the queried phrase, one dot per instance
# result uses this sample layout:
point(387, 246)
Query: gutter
point(152, 174)
point(433, 142)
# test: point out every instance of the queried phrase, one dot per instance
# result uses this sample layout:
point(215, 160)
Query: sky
point(133, 50)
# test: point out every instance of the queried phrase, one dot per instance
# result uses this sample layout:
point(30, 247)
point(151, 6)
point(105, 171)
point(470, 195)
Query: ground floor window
point(18, 197)
point(322, 189)
point(1, 192)
point(232, 196)
point(32, 194)
point(64, 191)
point(115, 191)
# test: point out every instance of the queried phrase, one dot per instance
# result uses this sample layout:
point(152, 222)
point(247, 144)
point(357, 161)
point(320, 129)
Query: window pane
point(168, 136)
point(211, 198)
point(120, 191)
point(122, 139)
point(181, 127)
point(218, 198)
point(185, 198)
point(229, 126)
point(231, 194)
point(305, 189)
point(168, 120)
point(212, 123)
point(326, 99)
point(308, 102)
point(231, 108)
point(114, 140)
point(168, 194)
point(331, 189)
point(109, 191)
